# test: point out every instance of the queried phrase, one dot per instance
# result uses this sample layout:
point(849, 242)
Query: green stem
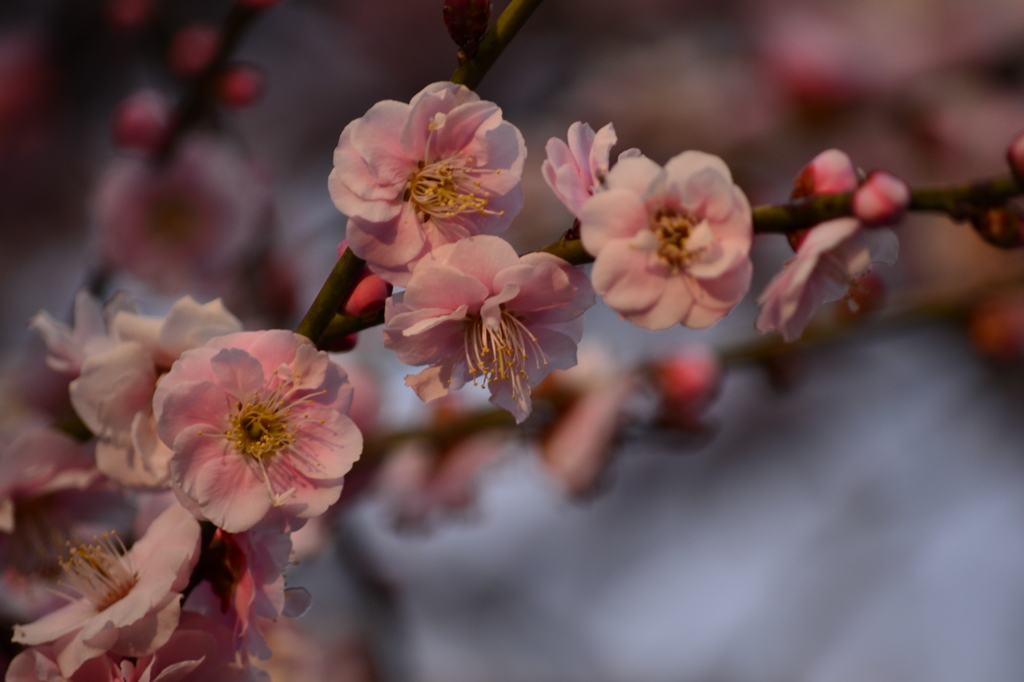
point(471, 71)
point(332, 296)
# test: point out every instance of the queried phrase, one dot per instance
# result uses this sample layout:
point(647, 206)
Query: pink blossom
point(881, 200)
point(831, 256)
point(576, 170)
point(114, 393)
point(258, 421)
point(199, 650)
point(190, 220)
point(475, 311)
point(672, 244)
point(142, 120)
point(577, 448)
point(418, 482)
point(129, 602)
point(412, 177)
point(250, 590)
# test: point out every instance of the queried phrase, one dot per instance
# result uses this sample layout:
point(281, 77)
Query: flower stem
point(332, 296)
point(471, 71)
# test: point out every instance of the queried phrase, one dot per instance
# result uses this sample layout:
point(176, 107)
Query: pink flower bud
point(829, 172)
point(1015, 155)
point(996, 328)
point(141, 120)
point(342, 345)
point(240, 85)
point(129, 14)
point(192, 49)
point(467, 22)
point(998, 227)
point(688, 381)
point(881, 200)
point(368, 296)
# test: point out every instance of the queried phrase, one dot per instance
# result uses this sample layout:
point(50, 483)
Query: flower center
point(259, 430)
point(447, 188)
point(100, 572)
point(672, 230)
point(173, 220)
point(497, 354)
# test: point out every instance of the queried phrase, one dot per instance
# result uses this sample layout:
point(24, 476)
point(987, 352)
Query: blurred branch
point(472, 70)
point(196, 101)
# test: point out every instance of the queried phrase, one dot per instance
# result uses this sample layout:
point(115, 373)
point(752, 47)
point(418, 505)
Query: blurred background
point(848, 509)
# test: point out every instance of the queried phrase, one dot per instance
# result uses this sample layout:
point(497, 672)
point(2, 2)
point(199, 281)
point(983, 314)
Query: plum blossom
point(672, 244)
point(39, 664)
point(190, 220)
point(113, 394)
point(68, 347)
point(412, 177)
point(575, 171)
point(247, 588)
point(130, 601)
point(258, 422)
point(830, 257)
point(475, 311)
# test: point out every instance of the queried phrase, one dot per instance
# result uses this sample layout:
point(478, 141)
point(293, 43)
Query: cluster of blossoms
point(252, 432)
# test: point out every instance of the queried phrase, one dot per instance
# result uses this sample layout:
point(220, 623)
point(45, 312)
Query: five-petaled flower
point(412, 177)
point(475, 311)
point(672, 244)
point(258, 421)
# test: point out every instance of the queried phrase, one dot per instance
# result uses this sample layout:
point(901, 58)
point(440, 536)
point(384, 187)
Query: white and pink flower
point(113, 393)
point(671, 245)
point(258, 422)
point(130, 601)
point(414, 176)
point(830, 257)
point(476, 311)
point(576, 171)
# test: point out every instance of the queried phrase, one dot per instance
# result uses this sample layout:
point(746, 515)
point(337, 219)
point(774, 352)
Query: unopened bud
point(342, 345)
point(829, 172)
point(467, 22)
point(368, 295)
point(688, 382)
point(240, 85)
point(192, 49)
point(996, 328)
point(881, 200)
point(998, 227)
point(1015, 155)
point(141, 120)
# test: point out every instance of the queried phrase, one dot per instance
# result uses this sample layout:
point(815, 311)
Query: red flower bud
point(881, 200)
point(467, 22)
point(192, 49)
point(141, 120)
point(240, 85)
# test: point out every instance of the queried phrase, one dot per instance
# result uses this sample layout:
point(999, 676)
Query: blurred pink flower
point(671, 245)
point(412, 177)
point(576, 170)
point(248, 588)
point(189, 220)
point(129, 601)
point(114, 393)
point(687, 382)
point(39, 664)
point(831, 255)
point(141, 120)
point(474, 310)
point(258, 422)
